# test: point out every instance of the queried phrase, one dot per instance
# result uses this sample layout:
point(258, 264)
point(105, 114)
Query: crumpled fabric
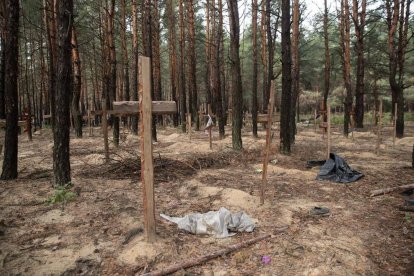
point(221, 223)
point(336, 169)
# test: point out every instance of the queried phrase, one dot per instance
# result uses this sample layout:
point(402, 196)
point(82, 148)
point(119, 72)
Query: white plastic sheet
point(221, 223)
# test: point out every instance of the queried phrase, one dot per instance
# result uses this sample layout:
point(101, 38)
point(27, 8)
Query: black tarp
point(336, 169)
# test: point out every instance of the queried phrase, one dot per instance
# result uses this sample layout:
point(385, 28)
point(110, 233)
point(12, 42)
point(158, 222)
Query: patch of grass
point(62, 195)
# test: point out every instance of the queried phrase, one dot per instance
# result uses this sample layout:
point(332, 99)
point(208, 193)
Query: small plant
point(62, 195)
point(408, 218)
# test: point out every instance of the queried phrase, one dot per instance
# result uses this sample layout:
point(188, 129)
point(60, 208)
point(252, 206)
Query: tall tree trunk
point(346, 66)
point(255, 66)
point(112, 67)
point(156, 60)
point(50, 22)
point(217, 80)
point(11, 93)
point(2, 72)
point(148, 51)
point(134, 62)
point(181, 82)
point(61, 163)
point(125, 61)
point(359, 24)
point(285, 112)
point(77, 86)
point(208, 53)
point(192, 69)
point(295, 68)
point(270, 53)
point(172, 52)
point(327, 69)
point(237, 94)
point(28, 108)
point(263, 26)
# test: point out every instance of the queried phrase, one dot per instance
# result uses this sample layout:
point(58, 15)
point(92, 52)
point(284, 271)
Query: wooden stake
point(189, 125)
point(147, 167)
point(105, 129)
point(199, 260)
point(268, 142)
point(379, 128)
point(314, 120)
point(328, 110)
point(395, 125)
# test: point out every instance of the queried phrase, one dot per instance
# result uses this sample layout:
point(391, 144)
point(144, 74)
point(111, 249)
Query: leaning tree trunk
point(77, 86)
point(237, 94)
point(11, 95)
point(285, 111)
point(61, 163)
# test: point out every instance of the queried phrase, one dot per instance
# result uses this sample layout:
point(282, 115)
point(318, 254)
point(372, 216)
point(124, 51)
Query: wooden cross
point(146, 108)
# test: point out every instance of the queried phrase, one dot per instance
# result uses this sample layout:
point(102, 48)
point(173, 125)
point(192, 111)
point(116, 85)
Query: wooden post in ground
point(328, 110)
point(147, 168)
point(189, 125)
point(379, 128)
point(105, 129)
point(90, 123)
point(210, 138)
point(394, 133)
point(314, 120)
point(268, 142)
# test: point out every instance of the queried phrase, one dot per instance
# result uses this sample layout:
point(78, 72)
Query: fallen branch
point(390, 190)
point(205, 258)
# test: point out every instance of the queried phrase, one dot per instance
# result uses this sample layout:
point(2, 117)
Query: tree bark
point(255, 67)
point(172, 52)
point(327, 69)
point(217, 80)
point(125, 60)
point(285, 111)
point(295, 68)
point(192, 68)
point(346, 66)
point(11, 93)
point(156, 60)
point(134, 62)
point(77, 86)
point(237, 94)
point(359, 24)
point(181, 83)
point(61, 163)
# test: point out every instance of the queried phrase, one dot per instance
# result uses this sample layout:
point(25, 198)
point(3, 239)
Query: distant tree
point(61, 163)
point(285, 110)
point(181, 70)
point(172, 53)
point(358, 17)
point(397, 17)
point(295, 68)
point(11, 47)
point(134, 62)
point(77, 86)
point(346, 62)
point(125, 58)
point(237, 94)
point(327, 68)
point(255, 67)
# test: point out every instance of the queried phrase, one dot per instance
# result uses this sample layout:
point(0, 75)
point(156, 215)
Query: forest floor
point(100, 231)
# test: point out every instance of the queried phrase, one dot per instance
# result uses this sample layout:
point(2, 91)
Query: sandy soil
point(100, 231)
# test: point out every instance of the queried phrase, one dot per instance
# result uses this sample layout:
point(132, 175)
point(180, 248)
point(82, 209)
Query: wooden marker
point(328, 110)
point(189, 125)
point(395, 125)
point(105, 130)
point(147, 167)
point(379, 128)
point(268, 142)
